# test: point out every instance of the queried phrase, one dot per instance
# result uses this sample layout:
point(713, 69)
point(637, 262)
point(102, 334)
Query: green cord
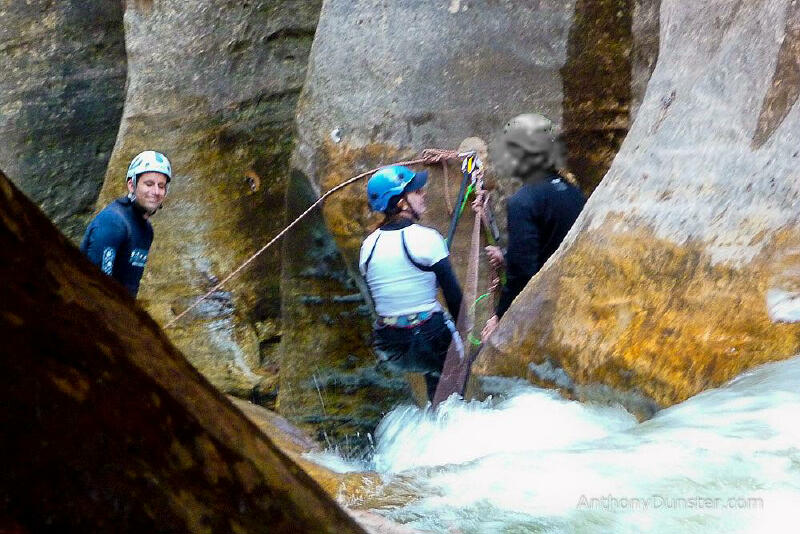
point(467, 193)
point(472, 339)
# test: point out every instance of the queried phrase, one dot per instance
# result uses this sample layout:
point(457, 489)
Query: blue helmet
point(392, 181)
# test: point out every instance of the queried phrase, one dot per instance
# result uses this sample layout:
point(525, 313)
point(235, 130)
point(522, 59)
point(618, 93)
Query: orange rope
point(429, 156)
point(446, 180)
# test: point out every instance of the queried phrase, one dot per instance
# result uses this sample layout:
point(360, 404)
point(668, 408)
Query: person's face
point(151, 188)
point(416, 200)
point(526, 163)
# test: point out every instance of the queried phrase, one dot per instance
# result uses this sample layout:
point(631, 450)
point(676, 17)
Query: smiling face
point(151, 188)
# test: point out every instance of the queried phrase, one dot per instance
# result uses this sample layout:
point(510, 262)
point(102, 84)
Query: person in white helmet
point(118, 239)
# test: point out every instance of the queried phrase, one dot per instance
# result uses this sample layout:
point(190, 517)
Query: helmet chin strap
point(132, 194)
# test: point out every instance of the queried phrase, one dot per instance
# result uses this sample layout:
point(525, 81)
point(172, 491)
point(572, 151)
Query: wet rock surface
point(661, 290)
point(214, 85)
point(116, 431)
point(388, 80)
point(61, 96)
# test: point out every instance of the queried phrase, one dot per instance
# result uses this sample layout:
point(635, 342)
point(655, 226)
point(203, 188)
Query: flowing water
point(525, 461)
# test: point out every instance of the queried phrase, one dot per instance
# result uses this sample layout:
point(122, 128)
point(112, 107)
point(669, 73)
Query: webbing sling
point(457, 362)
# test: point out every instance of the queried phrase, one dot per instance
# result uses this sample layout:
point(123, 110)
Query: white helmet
point(149, 161)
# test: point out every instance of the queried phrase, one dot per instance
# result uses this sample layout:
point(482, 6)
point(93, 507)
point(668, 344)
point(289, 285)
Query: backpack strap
point(410, 258)
point(371, 252)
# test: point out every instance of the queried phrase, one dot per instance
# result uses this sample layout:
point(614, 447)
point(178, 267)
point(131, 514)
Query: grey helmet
point(531, 131)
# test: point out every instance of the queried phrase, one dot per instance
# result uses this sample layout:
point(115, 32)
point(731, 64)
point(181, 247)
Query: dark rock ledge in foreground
point(106, 426)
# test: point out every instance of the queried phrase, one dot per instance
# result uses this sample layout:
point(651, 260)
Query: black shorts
point(420, 349)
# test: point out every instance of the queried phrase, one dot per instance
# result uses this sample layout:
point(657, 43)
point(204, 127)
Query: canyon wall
point(679, 273)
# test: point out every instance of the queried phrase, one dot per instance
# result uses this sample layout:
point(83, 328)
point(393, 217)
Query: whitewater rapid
point(526, 460)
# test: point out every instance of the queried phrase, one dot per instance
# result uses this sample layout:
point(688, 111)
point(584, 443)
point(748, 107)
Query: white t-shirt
point(397, 286)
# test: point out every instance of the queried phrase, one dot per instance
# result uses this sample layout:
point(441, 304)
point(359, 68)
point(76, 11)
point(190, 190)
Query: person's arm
point(103, 240)
point(522, 256)
point(447, 280)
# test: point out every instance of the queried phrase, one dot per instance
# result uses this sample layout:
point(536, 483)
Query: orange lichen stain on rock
point(72, 384)
point(193, 511)
point(247, 475)
point(8, 193)
point(14, 320)
point(105, 350)
point(641, 314)
point(346, 213)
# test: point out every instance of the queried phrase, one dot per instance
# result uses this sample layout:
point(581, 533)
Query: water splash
point(727, 460)
point(529, 419)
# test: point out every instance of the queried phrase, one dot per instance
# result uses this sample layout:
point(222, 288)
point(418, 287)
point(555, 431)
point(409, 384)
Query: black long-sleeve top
point(539, 216)
point(118, 241)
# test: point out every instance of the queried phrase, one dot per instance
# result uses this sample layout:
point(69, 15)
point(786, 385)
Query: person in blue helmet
point(118, 239)
point(404, 264)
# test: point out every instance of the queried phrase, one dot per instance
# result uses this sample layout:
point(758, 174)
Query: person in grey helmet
point(404, 265)
point(540, 213)
point(118, 239)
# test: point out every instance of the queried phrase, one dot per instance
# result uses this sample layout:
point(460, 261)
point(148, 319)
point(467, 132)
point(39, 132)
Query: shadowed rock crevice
point(784, 88)
point(597, 86)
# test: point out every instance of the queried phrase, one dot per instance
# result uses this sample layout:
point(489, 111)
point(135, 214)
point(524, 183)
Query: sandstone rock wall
point(611, 52)
point(661, 290)
point(214, 85)
point(61, 94)
point(107, 427)
point(389, 79)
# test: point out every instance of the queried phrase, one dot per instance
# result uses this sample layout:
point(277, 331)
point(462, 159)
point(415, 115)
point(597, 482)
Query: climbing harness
point(429, 156)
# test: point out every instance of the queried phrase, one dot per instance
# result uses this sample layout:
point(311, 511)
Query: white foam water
point(727, 461)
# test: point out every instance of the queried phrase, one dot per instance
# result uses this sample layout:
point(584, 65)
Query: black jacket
point(539, 216)
point(118, 241)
